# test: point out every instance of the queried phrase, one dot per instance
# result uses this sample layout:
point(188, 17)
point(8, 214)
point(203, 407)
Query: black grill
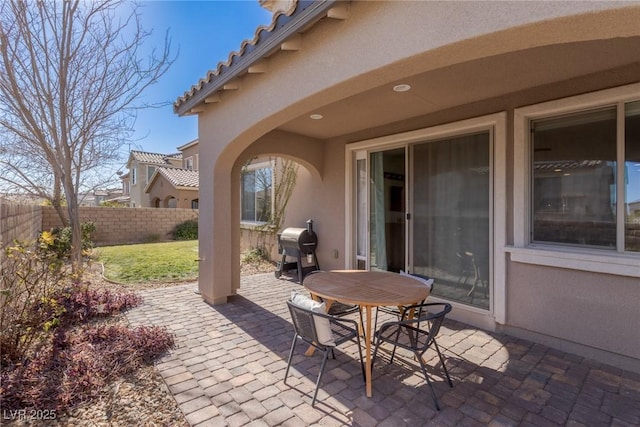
point(301, 244)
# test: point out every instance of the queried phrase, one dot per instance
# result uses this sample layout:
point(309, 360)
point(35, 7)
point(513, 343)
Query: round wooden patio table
point(367, 289)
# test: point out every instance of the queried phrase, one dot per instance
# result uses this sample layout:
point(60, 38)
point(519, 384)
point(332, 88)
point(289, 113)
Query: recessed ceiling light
point(401, 88)
point(316, 116)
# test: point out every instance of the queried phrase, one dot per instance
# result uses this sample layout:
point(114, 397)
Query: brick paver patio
point(229, 362)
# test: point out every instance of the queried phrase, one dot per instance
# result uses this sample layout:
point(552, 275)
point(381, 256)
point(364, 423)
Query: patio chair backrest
point(431, 322)
point(304, 323)
point(421, 330)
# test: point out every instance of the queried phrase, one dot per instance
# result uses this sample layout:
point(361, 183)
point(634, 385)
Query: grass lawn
point(150, 262)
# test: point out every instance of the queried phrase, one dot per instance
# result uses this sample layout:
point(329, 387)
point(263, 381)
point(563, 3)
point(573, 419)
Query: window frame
point(557, 255)
point(497, 123)
point(149, 175)
point(251, 168)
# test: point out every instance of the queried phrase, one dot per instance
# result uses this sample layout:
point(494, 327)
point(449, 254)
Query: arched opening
point(170, 202)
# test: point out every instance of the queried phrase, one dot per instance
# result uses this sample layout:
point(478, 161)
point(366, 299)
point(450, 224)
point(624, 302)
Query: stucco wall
point(193, 153)
point(597, 310)
point(19, 222)
point(126, 225)
point(163, 190)
point(447, 39)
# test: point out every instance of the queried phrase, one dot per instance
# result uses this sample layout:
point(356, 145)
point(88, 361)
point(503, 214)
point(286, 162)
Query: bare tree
point(273, 188)
point(286, 175)
point(71, 74)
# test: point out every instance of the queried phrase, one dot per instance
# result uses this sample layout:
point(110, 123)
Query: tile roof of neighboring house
point(266, 41)
point(568, 164)
point(188, 145)
point(178, 177)
point(157, 158)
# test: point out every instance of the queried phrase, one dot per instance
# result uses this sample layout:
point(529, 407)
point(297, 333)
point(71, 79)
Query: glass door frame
point(496, 124)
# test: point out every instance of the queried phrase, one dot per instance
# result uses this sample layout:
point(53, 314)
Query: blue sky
point(203, 33)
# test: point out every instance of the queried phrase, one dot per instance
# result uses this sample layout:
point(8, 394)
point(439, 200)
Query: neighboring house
point(173, 188)
point(176, 185)
point(125, 198)
point(427, 130)
point(115, 195)
point(142, 166)
point(189, 155)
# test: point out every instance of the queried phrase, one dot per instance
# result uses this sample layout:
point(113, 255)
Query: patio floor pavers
point(229, 362)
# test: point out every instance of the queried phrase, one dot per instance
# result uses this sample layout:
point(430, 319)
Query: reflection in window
point(256, 194)
point(452, 216)
point(632, 177)
point(574, 185)
point(578, 166)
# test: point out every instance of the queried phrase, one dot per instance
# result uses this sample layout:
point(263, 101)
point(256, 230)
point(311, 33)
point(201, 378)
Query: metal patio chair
point(417, 335)
point(324, 332)
point(399, 313)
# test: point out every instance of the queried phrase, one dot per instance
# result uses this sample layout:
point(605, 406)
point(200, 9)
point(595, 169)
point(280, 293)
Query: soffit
point(466, 83)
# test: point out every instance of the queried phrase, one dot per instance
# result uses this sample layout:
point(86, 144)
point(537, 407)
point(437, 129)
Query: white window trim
point(495, 122)
point(592, 260)
point(251, 167)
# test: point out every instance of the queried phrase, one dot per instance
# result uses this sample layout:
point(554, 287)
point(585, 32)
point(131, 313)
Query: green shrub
point(187, 230)
point(59, 239)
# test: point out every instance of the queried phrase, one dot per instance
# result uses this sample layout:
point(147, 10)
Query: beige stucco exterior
point(464, 60)
point(163, 194)
point(190, 154)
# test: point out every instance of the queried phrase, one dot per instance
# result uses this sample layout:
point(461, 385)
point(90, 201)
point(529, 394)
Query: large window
point(256, 190)
point(577, 182)
point(632, 177)
point(574, 179)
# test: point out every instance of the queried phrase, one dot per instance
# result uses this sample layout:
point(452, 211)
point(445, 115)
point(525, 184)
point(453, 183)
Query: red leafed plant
point(52, 355)
point(74, 366)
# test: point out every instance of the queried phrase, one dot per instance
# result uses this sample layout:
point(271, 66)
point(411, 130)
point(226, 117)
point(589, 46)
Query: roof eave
point(306, 13)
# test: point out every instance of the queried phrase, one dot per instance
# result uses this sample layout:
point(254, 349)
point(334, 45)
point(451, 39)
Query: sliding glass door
point(387, 228)
point(450, 226)
point(425, 207)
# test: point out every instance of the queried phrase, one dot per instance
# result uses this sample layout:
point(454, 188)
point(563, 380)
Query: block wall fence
point(115, 226)
point(19, 222)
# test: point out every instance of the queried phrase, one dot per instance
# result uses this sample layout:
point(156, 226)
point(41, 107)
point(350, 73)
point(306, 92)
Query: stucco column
point(218, 252)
